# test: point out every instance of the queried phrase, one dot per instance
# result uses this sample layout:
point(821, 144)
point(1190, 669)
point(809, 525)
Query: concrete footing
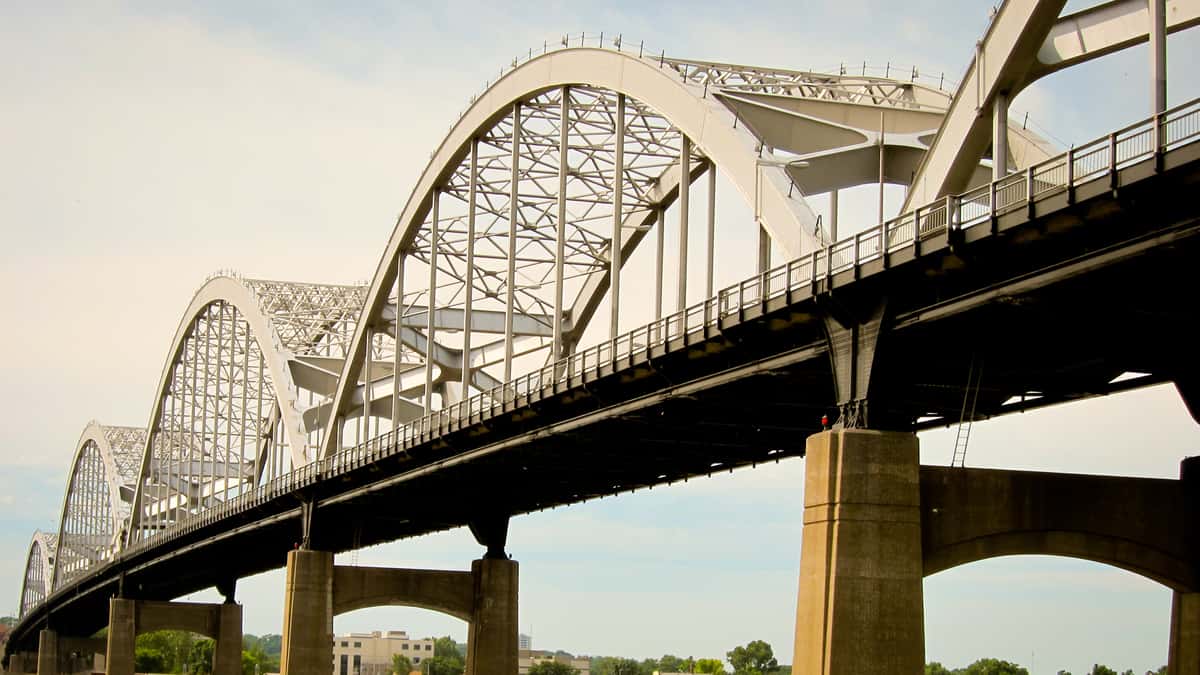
point(129, 618)
point(316, 590)
point(860, 606)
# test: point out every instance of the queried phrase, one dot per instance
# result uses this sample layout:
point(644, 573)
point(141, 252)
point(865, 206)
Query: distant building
point(371, 653)
point(527, 658)
point(524, 641)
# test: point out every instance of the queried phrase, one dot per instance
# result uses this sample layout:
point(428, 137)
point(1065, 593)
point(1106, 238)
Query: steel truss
point(39, 568)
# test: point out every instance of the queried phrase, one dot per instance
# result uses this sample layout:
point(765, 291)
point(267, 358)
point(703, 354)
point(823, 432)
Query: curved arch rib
point(246, 336)
point(39, 564)
point(96, 505)
point(524, 104)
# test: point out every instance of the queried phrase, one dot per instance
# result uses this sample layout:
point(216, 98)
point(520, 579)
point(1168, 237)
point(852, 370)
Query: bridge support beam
point(23, 663)
point(47, 663)
point(128, 618)
point(1184, 655)
point(492, 637)
point(60, 654)
point(308, 614)
point(861, 603)
point(317, 590)
point(1144, 525)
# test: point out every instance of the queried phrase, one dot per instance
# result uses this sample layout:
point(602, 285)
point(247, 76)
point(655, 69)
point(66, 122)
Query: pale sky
point(146, 145)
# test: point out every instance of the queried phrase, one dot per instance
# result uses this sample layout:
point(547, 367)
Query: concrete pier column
point(308, 614)
point(861, 605)
point(492, 642)
point(122, 634)
point(227, 656)
point(1184, 655)
point(21, 662)
point(47, 662)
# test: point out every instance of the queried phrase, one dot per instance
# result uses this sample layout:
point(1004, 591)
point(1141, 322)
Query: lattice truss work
point(516, 249)
point(39, 566)
point(97, 504)
point(496, 249)
point(242, 396)
point(843, 88)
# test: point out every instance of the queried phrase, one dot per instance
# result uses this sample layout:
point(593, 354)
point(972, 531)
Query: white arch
point(45, 544)
point(233, 291)
point(707, 122)
point(92, 433)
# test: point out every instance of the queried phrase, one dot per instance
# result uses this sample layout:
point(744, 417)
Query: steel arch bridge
point(509, 253)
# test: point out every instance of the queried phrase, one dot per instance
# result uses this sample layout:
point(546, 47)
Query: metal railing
point(1096, 160)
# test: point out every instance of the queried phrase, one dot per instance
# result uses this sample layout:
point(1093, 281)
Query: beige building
point(527, 658)
point(371, 653)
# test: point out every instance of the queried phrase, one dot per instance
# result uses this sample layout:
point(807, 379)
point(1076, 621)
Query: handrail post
point(1159, 140)
point(1112, 160)
point(950, 218)
point(916, 231)
point(883, 243)
point(1071, 175)
point(1029, 190)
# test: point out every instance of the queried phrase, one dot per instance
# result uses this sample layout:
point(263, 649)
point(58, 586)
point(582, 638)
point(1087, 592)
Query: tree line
point(179, 652)
point(998, 667)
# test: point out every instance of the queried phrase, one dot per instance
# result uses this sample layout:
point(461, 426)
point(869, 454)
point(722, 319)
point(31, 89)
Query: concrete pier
point(130, 618)
point(316, 590)
point(860, 606)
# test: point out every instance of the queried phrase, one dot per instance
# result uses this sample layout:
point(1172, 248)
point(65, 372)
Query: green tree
point(756, 658)
point(670, 664)
point(446, 646)
point(936, 668)
point(711, 666)
point(1064, 672)
point(272, 645)
point(442, 665)
point(174, 645)
point(446, 659)
point(1100, 669)
point(149, 660)
point(552, 668)
point(200, 659)
point(993, 667)
point(251, 663)
point(401, 664)
point(627, 667)
point(649, 666)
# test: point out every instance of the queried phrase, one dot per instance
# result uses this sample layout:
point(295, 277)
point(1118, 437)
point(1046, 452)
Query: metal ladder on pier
point(971, 396)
